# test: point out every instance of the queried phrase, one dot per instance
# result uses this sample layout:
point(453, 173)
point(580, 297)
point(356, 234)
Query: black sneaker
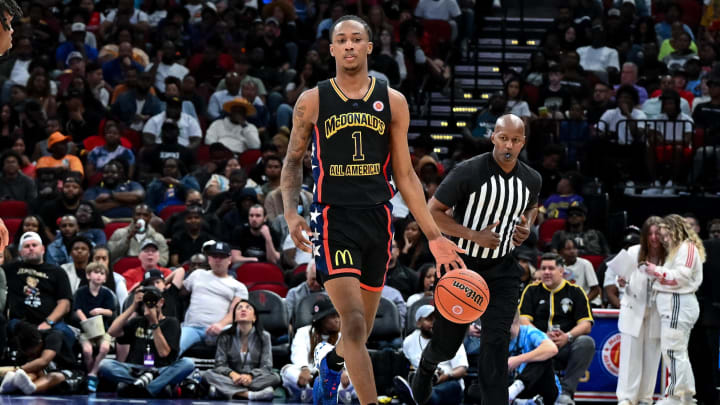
point(403, 391)
point(421, 385)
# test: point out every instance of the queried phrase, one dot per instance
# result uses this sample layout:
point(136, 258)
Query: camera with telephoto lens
point(151, 296)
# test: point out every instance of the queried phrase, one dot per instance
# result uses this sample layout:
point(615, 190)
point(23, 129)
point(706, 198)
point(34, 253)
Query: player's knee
point(353, 326)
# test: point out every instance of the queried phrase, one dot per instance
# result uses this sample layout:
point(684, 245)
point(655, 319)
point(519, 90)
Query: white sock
point(265, 393)
point(23, 382)
point(515, 389)
point(7, 383)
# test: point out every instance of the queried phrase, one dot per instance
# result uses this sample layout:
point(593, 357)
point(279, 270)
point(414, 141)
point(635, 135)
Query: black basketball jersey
point(351, 147)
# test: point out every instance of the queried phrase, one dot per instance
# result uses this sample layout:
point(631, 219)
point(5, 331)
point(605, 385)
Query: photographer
point(154, 341)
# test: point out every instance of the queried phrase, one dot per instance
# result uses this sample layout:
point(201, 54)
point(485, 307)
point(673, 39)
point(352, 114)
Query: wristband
point(49, 322)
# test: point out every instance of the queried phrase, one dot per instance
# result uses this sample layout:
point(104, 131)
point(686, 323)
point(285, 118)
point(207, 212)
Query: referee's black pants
point(503, 280)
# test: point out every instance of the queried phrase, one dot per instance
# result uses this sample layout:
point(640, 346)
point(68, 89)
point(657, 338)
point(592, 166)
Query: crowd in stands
point(142, 145)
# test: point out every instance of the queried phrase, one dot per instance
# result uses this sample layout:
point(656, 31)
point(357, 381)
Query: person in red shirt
point(149, 256)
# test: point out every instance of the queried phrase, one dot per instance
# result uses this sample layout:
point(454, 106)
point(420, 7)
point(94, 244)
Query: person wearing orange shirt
point(59, 157)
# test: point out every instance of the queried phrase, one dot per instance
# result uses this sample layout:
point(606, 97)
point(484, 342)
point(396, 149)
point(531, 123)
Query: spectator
point(115, 70)
point(236, 205)
point(198, 261)
point(575, 132)
point(153, 155)
point(102, 155)
point(47, 361)
point(39, 89)
point(190, 134)
point(399, 276)
point(653, 107)
point(273, 167)
point(115, 196)
point(530, 364)
point(597, 57)
point(484, 124)
point(97, 85)
point(392, 294)
point(165, 66)
point(571, 322)
point(554, 97)
point(588, 242)
point(448, 386)
point(274, 204)
point(256, 239)
point(515, 99)
point(150, 330)
point(172, 90)
point(14, 185)
point(446, 10)
point(297, 377)
point(219, 183)
point(677, 280)
point(714, 228)
point(211, 291)
point(601, 102)
point(415, 250)
point(90, 224)
point(27, 166)
point(665, 29)
point(216, 105)
point(58, 252)
point(90, 301)
point(149, 256)
point(252, 377)
point(233, 131)
point(682, 53)
point(309, 286)
point(59, 157)
point(31, 223)
point(261, 119)
point(211, 64)
point(556, 206)
point(549, 168)
point(639, 321)
point(611, 121)
point(40, 294)
point(526, 258)
point(292, 256)
point(80, 252)
point(176, 223)
point(75, 43)
point(629, 76)
point(76, 63)
point(138, 97)
point(426, 283)
point(172, 187)
point(170, 288)
point(190, 241)
point(580, 272)
point(126, 241)
point(15, 68)
point(117, 282)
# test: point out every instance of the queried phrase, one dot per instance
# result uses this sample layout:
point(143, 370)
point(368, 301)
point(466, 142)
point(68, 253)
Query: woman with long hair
point(675, 286)
point(9, 126)
point(426, 283)
point(243, 360)
point(31, 223)
point(414, 249)
point(639, 323)
point(39, 88)
point(516, 103)
point(297, 377)
point(26, 165)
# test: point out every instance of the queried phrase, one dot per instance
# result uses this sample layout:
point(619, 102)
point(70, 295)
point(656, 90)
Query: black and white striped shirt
point(481, 193)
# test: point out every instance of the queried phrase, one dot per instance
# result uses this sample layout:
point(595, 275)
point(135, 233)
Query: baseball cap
point(423, 312)
point(73, 55)
point(272, 20)
point(613, 12)
point(150, 277)
point(577, 206)
point(78, 27)
point(28, 236)
point(149, 242)
point(57, 137)
point(219, 248)
point(322, 308)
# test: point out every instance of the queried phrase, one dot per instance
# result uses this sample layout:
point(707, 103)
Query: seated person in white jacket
point(298, 377)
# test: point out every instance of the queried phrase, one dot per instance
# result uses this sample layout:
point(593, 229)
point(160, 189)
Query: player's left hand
point(559, 338)
point(521, 232)
point(446, 254)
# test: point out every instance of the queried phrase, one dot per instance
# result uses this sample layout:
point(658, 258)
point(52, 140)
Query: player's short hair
point(351, 17)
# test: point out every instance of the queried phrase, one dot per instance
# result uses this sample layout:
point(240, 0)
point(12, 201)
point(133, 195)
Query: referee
point(493, 198)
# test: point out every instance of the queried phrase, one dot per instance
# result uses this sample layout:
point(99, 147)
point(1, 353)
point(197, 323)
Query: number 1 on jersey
point(358, 156)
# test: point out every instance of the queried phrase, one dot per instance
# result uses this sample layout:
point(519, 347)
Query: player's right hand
point(296, 226)
point(488, 238)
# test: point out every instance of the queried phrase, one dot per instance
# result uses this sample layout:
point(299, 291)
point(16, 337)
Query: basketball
point(462, 296)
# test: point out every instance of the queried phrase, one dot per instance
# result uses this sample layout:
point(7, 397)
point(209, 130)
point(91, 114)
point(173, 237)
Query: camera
point(151, 296)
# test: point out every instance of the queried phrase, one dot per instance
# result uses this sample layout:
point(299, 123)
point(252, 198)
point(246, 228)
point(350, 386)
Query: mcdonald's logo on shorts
point(344, 255)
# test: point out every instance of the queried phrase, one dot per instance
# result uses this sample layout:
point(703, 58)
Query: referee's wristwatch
point(570, 337)
point(49, 322)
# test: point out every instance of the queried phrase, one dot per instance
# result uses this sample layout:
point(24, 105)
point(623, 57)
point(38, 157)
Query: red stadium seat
point(548, 229)
point(125, 264)
point(12, 225)
point(249, 158)
point(300, 269)
point(168, 211)
point(114, 226)
point(277, 288)
point(596, 260)
point(437, 32)
point(253, 273)
point(13, 209)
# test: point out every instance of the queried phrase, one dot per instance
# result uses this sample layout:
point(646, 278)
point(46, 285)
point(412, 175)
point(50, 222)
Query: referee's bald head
point(510, 123)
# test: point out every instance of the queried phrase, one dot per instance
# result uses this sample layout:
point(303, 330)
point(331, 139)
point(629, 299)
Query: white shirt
point(652, 107)
point(210, 297)
point(20, 74)
point(598, 59)
point(414, 344)
point(437, 9)
point(235, 137)
point(164, 71)
point(685, 267)
point(610, 120)
point(189, 128)
point(301, 257)
point(138, 16)
point(583, 275)
point(215, 105)
point(519, 108)
point(673, 131)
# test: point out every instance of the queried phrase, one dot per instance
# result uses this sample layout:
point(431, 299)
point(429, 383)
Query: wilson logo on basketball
point(378, 106)
point(469, 292)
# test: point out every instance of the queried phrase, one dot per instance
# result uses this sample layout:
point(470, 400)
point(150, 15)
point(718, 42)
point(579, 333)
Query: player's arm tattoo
point(292, 173)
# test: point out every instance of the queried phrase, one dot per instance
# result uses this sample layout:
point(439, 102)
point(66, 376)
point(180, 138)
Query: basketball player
point(358, 128)
point(8, 10)
point(493, 198)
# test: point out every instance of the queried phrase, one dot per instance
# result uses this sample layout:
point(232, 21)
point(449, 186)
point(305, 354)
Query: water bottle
point(142, 224)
